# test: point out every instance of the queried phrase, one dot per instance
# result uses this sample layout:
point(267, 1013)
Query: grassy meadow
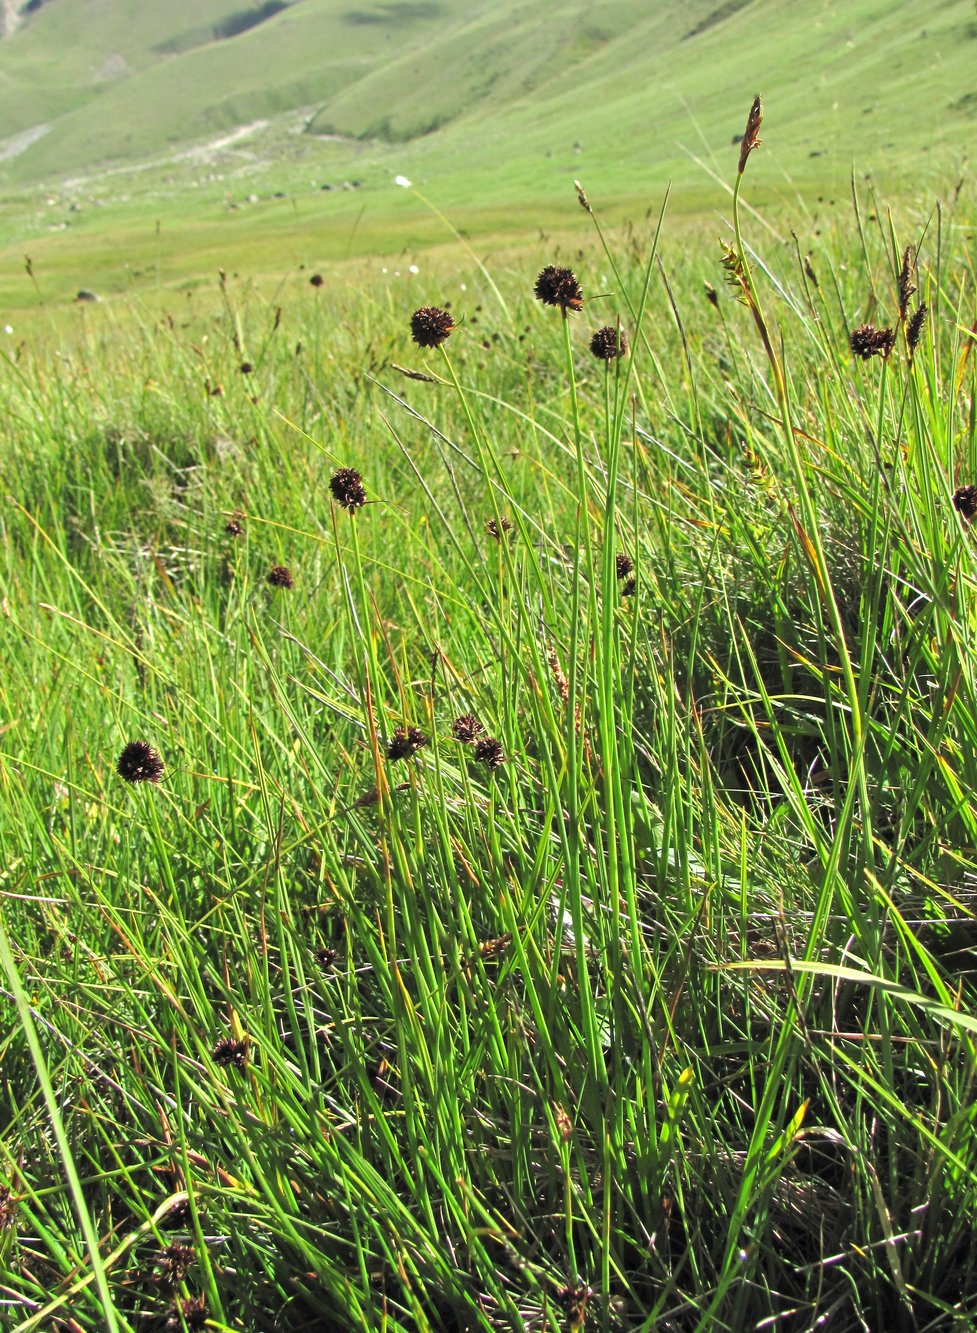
point(551, 906)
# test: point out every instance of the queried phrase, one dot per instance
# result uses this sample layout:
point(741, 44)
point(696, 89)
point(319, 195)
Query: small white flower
point(413, 269)
point(8, 328)
point(402, 181)
point(463, 287)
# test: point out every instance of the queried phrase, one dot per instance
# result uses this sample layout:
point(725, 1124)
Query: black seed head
point(466, 728)
point(280, 577)
point(430, 326)
point(139, 762)
point(965, 502)
point(914, 329)
point(405, 742)
point(624, 566)
point(230, 1051)
point(316, 280)
point(194, 1311)
point(347, 489)
point(488, 751)
point(559, 286)
point(868, 341)
point(609, 343)
point(497, 528)
point(712, 296)
point(630, 588)
point(326, 958)
point(174, 1263)
point(247, 367)
point(8, 1208)
point(234, 527)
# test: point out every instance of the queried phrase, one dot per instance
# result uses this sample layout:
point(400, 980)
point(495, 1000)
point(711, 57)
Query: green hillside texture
point(191, 112)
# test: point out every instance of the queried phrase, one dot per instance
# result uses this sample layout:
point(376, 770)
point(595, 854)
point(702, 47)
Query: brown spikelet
point(907, 285)
point(498, 528)
point(751, 138)
point(914, 329)
point(559, 676)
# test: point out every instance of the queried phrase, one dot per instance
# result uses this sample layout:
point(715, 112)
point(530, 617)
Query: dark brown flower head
point(139, 762)
point(965, 502)
point(914, 329)
point(906, 283)
point(559, 286)
point(751, 139)
point(624, 565)
point(712, 296)
point(247, 367)
point(609, 343)
point(347, 489)
point(316, 280)
point(280, 576)
point(630, 588)
point(194, 1311)
point(234, 527)
point(405, 742)
point(178, 1216)
point(498, 528)
point(174, 1263)
point(575, 1298)
point(326, 958)
point(488, 751)
point(466, 728)
point(230, 1051)
point(8, 1207)
point(868, 341)
point(430, 326)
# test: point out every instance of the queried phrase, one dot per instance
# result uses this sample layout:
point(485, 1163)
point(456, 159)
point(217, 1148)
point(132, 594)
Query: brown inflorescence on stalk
point(965, 502)
point(174, 1263)
point(139, 762)
point(488, 751)
point(914, 329)
point(280, 576)
point(498, 528)
point(346, 486)
point(868, 341)
point(193, 1310)
point(559, 286)
point(430, 326)
point(609, 343)
point(405, 742)
point(466, 728)
point(230, 1051)
point(751, 139)
point(624, 565)
point(906, 283)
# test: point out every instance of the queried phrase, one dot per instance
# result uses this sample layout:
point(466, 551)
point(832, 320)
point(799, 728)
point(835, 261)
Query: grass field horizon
point(487, 754)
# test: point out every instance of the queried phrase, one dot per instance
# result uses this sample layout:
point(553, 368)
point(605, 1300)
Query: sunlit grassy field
point(554, 908)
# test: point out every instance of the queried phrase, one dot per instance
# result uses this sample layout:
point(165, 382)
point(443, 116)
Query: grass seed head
point(712, 296)
point(431, 326)
point(624, 565)
point(230, 1051)
point(347, 489)
point(498, 528)
point(868, 341)
point(609, 343)
point(466, 728)
point(906, 283)
point(280, 576)
point(914, 329)
point(965, 502)
point(139, 762)
point(193, 1310)
point(751, 139)
point(488, 751)
point(559, 286)
point(405, 742)
point(326, 958)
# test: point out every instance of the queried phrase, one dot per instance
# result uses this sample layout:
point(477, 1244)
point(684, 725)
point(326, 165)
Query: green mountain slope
point(100, 82)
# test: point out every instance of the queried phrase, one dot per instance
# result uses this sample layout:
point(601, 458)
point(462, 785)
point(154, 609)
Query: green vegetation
point(650, 1004)
point(121, 116)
